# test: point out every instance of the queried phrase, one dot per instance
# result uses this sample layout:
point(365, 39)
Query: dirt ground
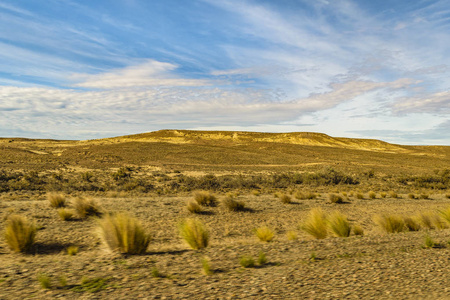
point(374, 266)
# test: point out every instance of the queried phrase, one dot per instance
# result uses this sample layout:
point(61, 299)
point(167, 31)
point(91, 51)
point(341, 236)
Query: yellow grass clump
point(124, 234)
point(56, 200)
point(339, 224)
point(390, 223)
point(19, 233)
point(194, 232)
point(65, 214)
point(411, 224)
point(445, 214)
point(316, 224)
point(264, 234)
point(193, 206)
point(232, 205)
point(205, 198)
point(86, 207)
point(286, 199)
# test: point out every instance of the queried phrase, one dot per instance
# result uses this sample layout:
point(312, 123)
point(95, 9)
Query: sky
point(92, 69)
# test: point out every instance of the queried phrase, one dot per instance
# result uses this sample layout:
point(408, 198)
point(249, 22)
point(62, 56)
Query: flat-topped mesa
point(244, 137)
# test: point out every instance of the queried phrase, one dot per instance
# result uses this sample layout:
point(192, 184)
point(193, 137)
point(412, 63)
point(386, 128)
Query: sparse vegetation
point(194, 233)
point(19, 233)
point(372, 195)
point(231, 204)
point(286, 199)
point(205, 198)
point(124, 234)
point(316, 224)
point(91, 285)
point(411, 224)
point(339, 224)
point(292, 235)
point(86, 207)
point(305, 195)
point(445, 214)
point(358, 230)
point(206, 266)
point(72, 250)
point(359, 196)
point(264, 234)
point(429, 242)
point(56, 200)
point(247, 261)
point(193, 207)
point(393, 195)
point(335, 199)
point(44, 281)
point(65, 214)
point(262, 259)
point(390, 223)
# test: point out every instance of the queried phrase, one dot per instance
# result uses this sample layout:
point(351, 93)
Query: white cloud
point(435, 103)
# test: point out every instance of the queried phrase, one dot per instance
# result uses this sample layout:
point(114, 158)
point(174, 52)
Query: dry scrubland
point(182, 214)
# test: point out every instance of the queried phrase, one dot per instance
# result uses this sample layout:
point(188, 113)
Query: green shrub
point(86, 207)
point(262, 259)
point(124, 234)
point(247, 261)
point(316, 224)
point(390, 223)
point(232, 205)
point(205, 198)
point(194, 233)
point(44, 281)
point(264, 234)
point(339, 224)
point(19, 233)
point(206, 266)
point(56, 200)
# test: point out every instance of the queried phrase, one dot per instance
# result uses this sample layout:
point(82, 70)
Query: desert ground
point(153, 176)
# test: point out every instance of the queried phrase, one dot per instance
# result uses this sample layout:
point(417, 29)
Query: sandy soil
point(375, 266)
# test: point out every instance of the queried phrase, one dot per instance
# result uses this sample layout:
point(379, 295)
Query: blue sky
point(90, 69)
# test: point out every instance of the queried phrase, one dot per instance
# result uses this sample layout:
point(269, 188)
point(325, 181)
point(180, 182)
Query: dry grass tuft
point(56, 200)
point(65, 214)
point(194, 233)
point(72, 250)
point(445, 214)
point(316, 224)
point(393, 195)
point(206, 266)
point(124, 234)
point(19, 233)
point(305, 195)
point(411, 224)
point(205, 198)
point(247, 261)
point(193, 207)
point(335, 199)
point(86, 207)
point(372, 195)
point(339, 224)
point(359, 196)
point(264, 234)
point(432, 220)
point(232, 205)
point(358, 230)
point(285, 199)
point(292, 235)
point(383, 194)
point(390, 223)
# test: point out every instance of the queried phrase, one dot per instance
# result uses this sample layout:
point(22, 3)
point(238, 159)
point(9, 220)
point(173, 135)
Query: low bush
point(205, 198)
point(316, 224)
point(390, 223)
point(264, 234)
point(19, 233)
point(124, 234)
point(232, 205)
point(194, 233)
point(247, 261)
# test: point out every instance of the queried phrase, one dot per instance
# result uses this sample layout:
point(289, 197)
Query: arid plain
point(278, 179)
